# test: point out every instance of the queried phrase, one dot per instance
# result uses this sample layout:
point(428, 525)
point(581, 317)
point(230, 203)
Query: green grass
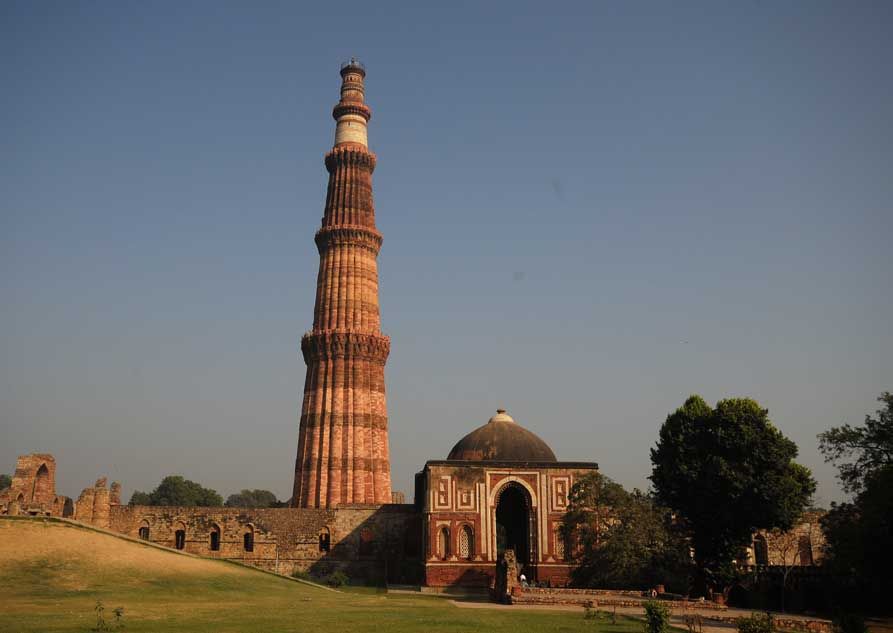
point(56, 590)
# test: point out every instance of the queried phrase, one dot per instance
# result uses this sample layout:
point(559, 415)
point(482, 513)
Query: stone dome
point(502, 440)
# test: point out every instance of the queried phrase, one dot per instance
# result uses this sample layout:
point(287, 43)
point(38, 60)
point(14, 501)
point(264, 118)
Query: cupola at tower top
point(351, 112)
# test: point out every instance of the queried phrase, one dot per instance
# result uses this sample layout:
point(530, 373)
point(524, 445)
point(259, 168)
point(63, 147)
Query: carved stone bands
point(348, 345)
point(347, 464)
point(357, 420)
point(350, 155)
point(351, 107)
point(348, 234)
point(343, 434)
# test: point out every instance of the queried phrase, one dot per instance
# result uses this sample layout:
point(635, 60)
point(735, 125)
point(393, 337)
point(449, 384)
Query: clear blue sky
point(590, 210)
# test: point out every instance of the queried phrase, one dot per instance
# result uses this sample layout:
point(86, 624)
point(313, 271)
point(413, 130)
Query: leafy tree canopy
point(253, 499)
point(870, 447)
point(621, 539)
point(140, 499)
point(727, 471)
point(858, 535)
point(859, 542)
point(175, 490)
point(5, 481)
point(586, 518)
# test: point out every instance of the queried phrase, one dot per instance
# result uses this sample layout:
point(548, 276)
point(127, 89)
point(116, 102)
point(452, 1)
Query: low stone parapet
point(783, 623)
point(601, 598)
point(633, 593)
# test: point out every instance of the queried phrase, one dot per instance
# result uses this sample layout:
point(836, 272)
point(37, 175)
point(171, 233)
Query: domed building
point(500, 487)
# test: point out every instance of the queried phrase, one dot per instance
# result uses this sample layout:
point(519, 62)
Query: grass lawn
point(52, 574)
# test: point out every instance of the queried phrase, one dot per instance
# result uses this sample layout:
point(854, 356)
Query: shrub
point(337, 579)
point(657, 617)
point(591, 611)
point(101, 623)
point(756, 623)
point(301, 574)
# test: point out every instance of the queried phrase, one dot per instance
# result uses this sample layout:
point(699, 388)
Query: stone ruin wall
point(33, 492)
point(33, 489)
point(94, 504)
point(367, 542)
point(802, 546)
point(370, 542)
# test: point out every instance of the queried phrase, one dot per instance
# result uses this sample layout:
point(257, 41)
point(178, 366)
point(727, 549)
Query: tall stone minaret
point(343, 452)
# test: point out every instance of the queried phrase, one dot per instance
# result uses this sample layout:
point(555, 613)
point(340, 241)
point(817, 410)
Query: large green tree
point(5, 481)
point(619, 539)
point(859, 534)
point(727, 471)
point(175, 490)
point(861, 451)
point(253, 499)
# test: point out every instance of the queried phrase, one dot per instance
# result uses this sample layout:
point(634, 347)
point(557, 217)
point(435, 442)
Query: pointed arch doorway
point(515, 527)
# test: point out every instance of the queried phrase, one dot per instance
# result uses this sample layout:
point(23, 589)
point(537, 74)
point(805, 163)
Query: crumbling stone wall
point(115, 494)
point(94, 504)
point(83, 507)
point(33, 489)
point(802, 546)
point(367, 542)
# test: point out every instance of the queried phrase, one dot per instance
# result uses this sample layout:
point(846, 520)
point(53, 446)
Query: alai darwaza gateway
point(501, 487)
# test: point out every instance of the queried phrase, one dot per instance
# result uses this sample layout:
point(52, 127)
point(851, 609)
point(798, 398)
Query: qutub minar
point(500, 488)
point(343, 438)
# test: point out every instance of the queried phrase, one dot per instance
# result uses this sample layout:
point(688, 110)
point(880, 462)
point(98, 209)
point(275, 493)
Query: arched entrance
point(42, 491)
point(513, 523)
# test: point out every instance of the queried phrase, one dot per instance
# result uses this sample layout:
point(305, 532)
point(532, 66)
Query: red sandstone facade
point(459, 502)
point(343, 455)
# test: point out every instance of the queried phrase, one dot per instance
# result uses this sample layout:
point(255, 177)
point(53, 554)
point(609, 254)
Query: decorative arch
point(466, 542)
point(41, 489)
point(514, 521)
point(180, 535)
point(443, 543)
point(248, 538)
point(214, 538)
point(19, 505)
point(561, 548)
point(760, 550)
point(504, 483)
point(325, 539)
point(804, 549)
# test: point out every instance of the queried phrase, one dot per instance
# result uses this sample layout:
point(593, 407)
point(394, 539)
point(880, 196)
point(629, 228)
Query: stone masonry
point(374, 542)
point(94, 504)
point(33, 489)
point(343, 454)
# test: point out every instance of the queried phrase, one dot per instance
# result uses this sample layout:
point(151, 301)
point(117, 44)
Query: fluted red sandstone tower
point(343, 438)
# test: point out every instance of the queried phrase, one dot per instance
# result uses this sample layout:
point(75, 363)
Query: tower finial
point(351, 112)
